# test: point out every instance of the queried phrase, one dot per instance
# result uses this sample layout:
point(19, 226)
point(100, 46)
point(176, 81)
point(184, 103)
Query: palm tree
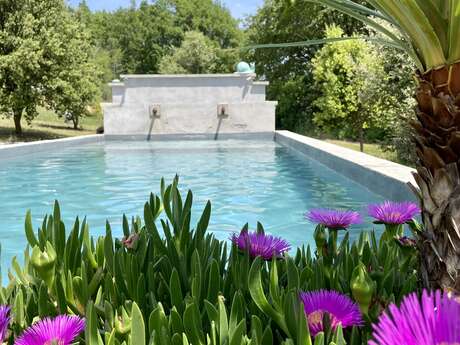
point(430, 35)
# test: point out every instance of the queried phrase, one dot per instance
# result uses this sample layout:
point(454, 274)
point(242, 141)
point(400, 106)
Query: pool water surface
point(246, 181)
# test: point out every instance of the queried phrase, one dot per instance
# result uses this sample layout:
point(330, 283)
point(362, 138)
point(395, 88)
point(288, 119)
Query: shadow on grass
point(63, 127)
point(7, 135)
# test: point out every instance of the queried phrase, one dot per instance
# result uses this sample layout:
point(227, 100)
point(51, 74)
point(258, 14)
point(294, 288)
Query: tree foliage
point(209, 17)
point(44, 60)
point(348, 76)
point(54, 56)
point(398, 88)
point(289, 69)
point(136, 39)
point(292, 83)
point(197, 54)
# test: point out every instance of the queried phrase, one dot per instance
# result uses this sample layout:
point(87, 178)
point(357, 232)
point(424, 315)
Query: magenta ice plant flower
point(4, 321)
point(333, 219)
point(61, 330)
point(340, 308)
point(394, 213)
point(260, 244)
point(432, 320)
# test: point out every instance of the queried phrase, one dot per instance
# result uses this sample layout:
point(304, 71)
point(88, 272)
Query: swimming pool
point(247, 181)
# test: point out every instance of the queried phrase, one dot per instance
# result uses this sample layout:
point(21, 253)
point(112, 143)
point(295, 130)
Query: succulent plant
point(167, 282)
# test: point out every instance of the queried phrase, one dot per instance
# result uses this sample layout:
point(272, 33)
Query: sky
point(239, 8)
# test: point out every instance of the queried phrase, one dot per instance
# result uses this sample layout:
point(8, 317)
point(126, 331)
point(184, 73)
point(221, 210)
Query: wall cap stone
point(167, 76)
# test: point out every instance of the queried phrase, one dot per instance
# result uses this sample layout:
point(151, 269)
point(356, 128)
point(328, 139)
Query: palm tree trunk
point(437, 136)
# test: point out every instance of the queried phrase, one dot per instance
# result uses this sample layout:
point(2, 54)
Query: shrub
point(167, 282)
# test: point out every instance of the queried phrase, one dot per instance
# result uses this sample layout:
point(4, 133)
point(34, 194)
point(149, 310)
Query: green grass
point(371, 149)
point(47, 126)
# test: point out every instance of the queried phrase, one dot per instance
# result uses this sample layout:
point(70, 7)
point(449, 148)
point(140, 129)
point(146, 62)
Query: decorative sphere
point(243, 67)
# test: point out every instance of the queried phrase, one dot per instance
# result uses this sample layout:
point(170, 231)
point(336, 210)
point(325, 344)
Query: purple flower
point(61, 330)
point(259, 244)
point(333, 219)
point(341, 309)
point(394, 213)
point(4, 321)
point(433, 320)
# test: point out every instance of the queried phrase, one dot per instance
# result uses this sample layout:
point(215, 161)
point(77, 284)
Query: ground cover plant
point(167, 281)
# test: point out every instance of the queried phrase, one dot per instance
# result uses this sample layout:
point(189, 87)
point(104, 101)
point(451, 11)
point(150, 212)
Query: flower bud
point(320, 237)
point(122, 323)
point(44, 263)
point(362, 287)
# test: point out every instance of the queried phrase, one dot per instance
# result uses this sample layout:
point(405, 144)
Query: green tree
point(78, 89)
point(289, 69)
point(42, 56)
point(348, 76)
point(398, 90)
point(144, 36)
point(105, 50)
point(135, 39)
point(209, 17)
point(197, 54)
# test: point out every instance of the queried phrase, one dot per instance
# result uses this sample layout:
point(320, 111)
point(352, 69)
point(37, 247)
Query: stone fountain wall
point(174, 106)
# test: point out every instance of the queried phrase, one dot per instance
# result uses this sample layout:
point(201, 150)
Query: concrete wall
point(188, 105)
point(21, 149)
point(378, 175)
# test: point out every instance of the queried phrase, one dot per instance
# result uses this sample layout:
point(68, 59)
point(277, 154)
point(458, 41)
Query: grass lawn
point(371, 149)
point(47, 126)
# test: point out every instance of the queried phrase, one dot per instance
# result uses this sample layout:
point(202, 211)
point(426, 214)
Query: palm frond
point(418, 28)
point(389, 43)
point(430, 29)
point(356, 11)
point(365, 10)
point(321, 41)
point(454, 31)
point(437, 20)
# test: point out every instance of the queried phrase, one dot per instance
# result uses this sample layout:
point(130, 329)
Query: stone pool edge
point(192, 136)
point(380, 176)
point(14, 150)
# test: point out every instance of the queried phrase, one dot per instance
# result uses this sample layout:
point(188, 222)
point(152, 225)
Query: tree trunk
point(361, 139)
point(437, 135)
point(17, 115)
point(75, 121)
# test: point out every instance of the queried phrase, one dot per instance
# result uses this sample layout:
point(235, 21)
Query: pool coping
point(380, 176)
point(193, 136)
point(14, 150)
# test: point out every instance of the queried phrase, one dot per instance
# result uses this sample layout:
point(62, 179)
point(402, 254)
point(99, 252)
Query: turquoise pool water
point(247, 181)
